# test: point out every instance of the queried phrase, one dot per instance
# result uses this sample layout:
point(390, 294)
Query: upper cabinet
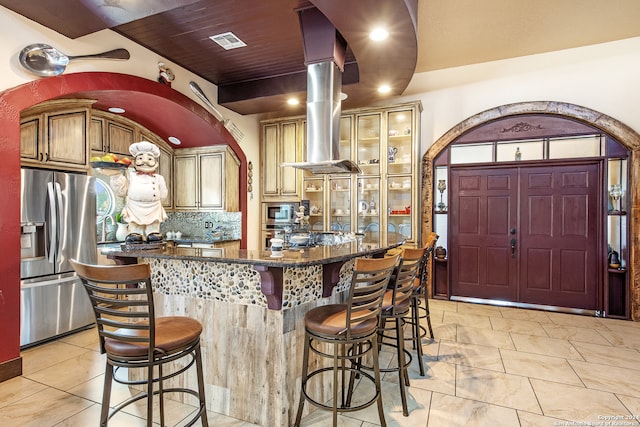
point(382, 201)
point(280, 144)
point(53, 135)
point(206, 179)
point(110, 134)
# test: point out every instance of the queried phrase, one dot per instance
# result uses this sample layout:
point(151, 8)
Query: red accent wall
point(151, 101)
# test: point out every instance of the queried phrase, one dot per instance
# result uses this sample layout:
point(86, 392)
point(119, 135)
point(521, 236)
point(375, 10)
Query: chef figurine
point(301, 219)
point(144, 190)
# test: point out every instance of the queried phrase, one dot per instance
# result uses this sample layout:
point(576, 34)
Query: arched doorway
point(169, 105)
point(622, 133)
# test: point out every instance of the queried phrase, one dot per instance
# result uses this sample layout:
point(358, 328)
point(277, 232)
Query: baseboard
point(10, 369)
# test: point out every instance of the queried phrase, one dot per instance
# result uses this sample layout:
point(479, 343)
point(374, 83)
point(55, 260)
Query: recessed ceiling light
point(293, 101)
point(117, 110)
point(174, 140)
point(228, 40)
point(378, 34)
point(384, 89)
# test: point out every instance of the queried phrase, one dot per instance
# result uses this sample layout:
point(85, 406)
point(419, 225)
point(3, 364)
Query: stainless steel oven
point(277, 214)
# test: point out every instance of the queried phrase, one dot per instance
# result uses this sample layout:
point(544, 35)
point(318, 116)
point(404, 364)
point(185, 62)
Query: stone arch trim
point(618, 130)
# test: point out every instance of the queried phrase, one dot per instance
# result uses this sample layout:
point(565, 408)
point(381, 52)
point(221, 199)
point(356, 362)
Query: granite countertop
point(289, 258)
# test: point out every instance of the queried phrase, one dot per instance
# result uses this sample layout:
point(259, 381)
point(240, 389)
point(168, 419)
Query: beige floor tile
point(511, 391)
point(71, 372)
point(487, 366)
point(517, 326)
point(573, 333)
point(631, 403)
point(472, 320)
point(438, 376)
point(521, 314)
point(91, 417)
point(486, 337)
point(219, 420)
point(443, 305)
point(92, 390)
point(43, 409)
point(470, 355)
point(479, 309)
point(451, 411)
point(539, 366)
point(608, 355)
point(47, 355)
point(578, 321)
point(527, 419)
point(436, 316)
point(621, 337)
point(578, 404)
point(430, 350)
point(320, 418)
point(547, 346)
point(18, 388)
point(444, 331)
point(87, 339)
point(417, 403)
point(608, 378)
point(174, 413)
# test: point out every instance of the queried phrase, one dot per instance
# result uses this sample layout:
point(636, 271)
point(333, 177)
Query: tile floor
point(488, 366)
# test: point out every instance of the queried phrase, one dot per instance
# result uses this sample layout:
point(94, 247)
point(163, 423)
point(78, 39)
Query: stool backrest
point(424, 268)
point(122, 300)
point(368, 285)
point(403, 286)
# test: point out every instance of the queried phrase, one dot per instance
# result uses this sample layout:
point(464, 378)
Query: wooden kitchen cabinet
point(383, 201)
point(280, 144)
point(110, 133)
point(206, 179)
point(53, 135)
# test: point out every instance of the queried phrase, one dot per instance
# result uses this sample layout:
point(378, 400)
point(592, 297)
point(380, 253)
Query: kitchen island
point(252, 307)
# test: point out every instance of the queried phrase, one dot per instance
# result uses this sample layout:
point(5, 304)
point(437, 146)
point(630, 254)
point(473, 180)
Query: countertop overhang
point(290, 258)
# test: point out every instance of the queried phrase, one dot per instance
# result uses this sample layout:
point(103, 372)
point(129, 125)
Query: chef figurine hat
point(144, 147)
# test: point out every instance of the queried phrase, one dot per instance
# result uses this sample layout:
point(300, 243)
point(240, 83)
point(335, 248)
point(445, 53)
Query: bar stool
point(420, 302)
point(350, 332)
point(395, 307)
point(132, 337)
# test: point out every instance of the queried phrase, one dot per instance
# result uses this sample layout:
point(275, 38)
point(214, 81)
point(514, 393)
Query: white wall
point(602, 77)
point(16, 32)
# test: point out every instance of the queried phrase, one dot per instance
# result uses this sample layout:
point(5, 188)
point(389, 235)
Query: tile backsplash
point(194, 225)
point(201, 225)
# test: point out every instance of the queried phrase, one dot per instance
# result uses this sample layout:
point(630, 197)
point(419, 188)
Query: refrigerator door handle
point(61, 221)
point(53, 221)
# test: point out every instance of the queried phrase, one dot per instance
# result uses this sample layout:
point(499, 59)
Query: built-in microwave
point(277, 214)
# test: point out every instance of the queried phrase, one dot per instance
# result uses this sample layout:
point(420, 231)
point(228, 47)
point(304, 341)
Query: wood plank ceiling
point(260, 77)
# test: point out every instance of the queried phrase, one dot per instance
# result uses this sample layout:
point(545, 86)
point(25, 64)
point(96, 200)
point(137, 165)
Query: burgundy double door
point(527, 234)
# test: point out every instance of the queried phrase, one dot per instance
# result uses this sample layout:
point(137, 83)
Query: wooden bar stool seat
point(345, 333)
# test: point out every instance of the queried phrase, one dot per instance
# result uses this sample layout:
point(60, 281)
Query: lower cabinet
point(206, 179)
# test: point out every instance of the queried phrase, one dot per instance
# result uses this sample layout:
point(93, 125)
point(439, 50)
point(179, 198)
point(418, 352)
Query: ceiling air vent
point(228, 41)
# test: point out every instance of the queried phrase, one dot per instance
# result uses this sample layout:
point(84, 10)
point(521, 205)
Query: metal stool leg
point(305, 371)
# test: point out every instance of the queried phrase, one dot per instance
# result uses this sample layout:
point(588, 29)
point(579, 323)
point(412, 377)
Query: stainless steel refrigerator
point(58, 222)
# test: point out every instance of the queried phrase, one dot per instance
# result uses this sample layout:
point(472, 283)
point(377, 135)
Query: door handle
point(513, 248)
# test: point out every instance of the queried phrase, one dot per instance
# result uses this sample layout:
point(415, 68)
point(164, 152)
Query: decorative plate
point(108, 165)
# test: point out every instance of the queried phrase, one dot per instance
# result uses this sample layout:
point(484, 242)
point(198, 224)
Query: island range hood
point(324, 56)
